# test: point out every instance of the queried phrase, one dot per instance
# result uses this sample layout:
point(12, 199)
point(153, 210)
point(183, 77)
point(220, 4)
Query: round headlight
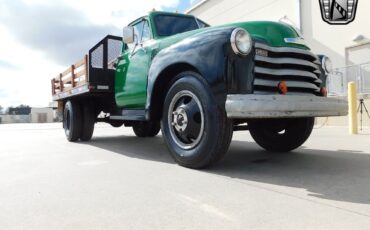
point(327, 65)
point(241, 41)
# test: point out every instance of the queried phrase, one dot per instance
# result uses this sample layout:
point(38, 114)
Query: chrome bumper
point(283, 106)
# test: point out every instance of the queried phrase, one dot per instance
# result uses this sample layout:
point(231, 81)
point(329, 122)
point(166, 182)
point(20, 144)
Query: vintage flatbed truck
point(197, 84)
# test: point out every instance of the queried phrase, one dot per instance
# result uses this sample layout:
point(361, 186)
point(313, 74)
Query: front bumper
point(283, 106)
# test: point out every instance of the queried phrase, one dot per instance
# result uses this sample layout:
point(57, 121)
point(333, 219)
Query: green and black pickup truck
point(198, 84)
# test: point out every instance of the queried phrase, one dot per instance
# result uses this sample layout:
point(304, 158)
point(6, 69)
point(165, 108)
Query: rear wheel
point(195, 129)
point(72, 120)
point(281, 135)
point(88, 121)
point(146, 128)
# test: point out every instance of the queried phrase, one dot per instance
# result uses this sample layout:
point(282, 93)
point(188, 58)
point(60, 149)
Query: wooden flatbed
point(93, 75)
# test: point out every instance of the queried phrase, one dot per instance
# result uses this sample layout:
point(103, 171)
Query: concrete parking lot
point(118, 181)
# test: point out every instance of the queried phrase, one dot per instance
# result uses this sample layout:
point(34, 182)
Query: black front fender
point(206, 52)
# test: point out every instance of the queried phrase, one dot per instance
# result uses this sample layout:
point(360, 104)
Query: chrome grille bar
point(299, 68)
point(294, 61)
point(287, 72)
point(290, 84)
point(286, 50)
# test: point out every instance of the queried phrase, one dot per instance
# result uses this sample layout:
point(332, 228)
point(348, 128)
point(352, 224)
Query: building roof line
point(195, 6)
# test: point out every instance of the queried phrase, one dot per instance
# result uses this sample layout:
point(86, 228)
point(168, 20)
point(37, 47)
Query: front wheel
point(281, 135)
point(195, 129)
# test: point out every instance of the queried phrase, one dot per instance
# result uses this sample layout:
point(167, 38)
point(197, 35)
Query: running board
point(129, 115)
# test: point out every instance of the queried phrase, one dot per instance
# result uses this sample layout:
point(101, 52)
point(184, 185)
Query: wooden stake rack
point(76, 75)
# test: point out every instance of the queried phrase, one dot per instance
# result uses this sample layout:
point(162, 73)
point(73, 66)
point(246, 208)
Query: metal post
point(352, 105)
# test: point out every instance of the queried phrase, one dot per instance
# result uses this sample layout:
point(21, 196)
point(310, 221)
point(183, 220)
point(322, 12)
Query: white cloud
point(28, 60)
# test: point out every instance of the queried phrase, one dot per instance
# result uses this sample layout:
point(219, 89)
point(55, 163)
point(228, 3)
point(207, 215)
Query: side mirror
point(128, 35)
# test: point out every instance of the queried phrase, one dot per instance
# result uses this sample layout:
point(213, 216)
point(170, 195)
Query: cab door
point(132, 68)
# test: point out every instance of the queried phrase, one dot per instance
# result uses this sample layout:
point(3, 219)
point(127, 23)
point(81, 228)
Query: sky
point(41, 38)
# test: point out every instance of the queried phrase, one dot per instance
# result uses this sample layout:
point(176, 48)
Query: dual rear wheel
point(78, 120)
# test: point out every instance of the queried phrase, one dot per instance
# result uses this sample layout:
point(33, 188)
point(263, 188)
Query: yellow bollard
point(352, 106)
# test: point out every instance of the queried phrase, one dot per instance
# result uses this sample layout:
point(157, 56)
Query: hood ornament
point(297, 40)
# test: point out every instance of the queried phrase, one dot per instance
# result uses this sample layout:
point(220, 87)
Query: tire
point(281, 135)
point(146, 128)
point(88, 121)
point(72, 120)
point(116, 124)
point(195, 129)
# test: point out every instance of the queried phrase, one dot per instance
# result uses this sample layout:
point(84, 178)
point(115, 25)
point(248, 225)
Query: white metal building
point(346, 45)
point(42, 115)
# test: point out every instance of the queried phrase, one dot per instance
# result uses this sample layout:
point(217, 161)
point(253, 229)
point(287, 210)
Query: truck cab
point(198, 84)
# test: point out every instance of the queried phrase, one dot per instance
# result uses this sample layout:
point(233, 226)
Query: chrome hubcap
point(180, 119)
point(186, 119)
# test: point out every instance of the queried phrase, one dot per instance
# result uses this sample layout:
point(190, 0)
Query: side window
point(138, 31)
point(141, 32)
point(146, 31)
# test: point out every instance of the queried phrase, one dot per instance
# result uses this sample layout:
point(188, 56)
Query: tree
point(19, 110)
point(1, 109)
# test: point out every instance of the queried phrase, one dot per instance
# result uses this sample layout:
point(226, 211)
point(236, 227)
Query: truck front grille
point(297, 67)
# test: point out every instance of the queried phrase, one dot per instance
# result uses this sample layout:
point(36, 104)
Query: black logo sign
point(338, 12)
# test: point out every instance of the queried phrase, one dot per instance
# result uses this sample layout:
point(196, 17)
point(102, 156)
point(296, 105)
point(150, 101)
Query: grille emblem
point(263, 53)
point(338, 12)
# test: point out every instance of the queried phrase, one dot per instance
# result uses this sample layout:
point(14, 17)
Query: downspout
point(300, 19)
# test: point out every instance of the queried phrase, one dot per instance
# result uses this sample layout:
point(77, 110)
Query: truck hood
point(271, 33)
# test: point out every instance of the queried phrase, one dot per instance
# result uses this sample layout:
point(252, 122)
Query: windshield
point(168, 25)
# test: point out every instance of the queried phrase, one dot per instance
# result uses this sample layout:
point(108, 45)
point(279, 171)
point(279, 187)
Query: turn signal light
point(283, 88)
point(324, 92)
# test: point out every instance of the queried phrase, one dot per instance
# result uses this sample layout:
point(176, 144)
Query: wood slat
point(61, 82)
point(80, 83)
point(86, 67)
point(67, 71)
point(67, 81)
point(80, 63)
point(80, 73)
point(73, 75)
point(52, 86)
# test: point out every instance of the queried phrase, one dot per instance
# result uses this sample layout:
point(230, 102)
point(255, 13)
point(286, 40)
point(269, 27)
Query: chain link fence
point(338, 80)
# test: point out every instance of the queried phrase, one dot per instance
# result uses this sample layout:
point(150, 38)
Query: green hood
point(272, 33)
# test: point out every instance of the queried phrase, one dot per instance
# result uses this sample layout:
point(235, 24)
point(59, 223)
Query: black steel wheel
point(146, 128)
point(72, 120)
point(281, 135)
point(186, 119)
point(196, 130)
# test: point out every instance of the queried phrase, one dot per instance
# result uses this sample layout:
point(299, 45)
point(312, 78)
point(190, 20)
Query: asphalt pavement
point(118, 181)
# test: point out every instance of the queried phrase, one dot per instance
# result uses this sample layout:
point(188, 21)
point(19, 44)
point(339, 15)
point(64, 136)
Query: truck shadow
point(342, 175)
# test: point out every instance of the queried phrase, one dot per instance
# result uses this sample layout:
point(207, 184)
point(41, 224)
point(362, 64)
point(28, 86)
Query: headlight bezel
point(235, 40)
